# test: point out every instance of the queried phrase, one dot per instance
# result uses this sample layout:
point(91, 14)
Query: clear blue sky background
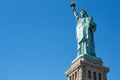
point(37, 37)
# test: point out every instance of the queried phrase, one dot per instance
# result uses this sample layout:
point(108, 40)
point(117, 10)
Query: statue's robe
point(84, 35)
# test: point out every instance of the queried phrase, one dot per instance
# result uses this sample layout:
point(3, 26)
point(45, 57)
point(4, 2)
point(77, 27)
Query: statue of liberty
point(85, 29)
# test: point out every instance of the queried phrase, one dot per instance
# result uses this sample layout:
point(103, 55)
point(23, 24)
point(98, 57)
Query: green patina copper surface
point(85, 28)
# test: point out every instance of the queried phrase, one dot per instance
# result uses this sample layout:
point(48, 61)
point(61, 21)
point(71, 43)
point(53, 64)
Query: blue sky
point(37, 37)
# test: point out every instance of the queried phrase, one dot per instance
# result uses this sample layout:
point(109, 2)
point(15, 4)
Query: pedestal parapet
point(85, 68)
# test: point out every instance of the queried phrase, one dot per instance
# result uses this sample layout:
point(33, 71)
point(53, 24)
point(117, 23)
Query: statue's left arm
point(92, 24)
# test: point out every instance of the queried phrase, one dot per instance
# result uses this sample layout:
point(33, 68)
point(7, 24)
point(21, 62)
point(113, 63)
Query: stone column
point(80, 74)
point(104, 76)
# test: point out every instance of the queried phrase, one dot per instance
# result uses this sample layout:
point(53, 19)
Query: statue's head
point(83, 13)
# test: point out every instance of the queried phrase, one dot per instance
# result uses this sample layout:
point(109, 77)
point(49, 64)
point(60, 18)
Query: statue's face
point(83, 13)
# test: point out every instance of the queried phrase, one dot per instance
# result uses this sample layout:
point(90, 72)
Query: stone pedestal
point(86, 68)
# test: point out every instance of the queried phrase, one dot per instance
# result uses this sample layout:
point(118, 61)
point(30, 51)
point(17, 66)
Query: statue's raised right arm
point(74, 10)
